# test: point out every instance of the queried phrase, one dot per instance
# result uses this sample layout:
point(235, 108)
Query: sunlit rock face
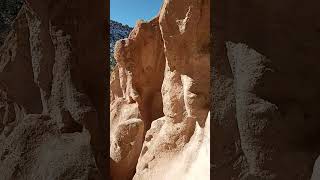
point(160, 96)
point(117, 31)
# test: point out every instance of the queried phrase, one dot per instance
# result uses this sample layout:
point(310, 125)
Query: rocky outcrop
point(136, 91)
point(160, 96)
point(117, 31)
point(265, 91)
point(53, 93)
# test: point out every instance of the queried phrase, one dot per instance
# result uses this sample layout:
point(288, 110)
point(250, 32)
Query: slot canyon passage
point(159, 121)
point(265, 91)
point(53, 100)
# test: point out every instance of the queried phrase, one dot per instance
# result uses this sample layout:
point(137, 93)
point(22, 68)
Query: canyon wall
point(53, 73)
point(264, 90)
point(159, 95)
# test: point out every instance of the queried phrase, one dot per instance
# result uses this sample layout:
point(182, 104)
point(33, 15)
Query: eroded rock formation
point(160, 96)
point(265, 92)
point(53, 92)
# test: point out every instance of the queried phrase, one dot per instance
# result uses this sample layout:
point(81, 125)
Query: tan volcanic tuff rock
point(53, 93)
point(161, 84)
point(135, 93)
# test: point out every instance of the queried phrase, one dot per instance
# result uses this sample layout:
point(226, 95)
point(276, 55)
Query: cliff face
point(160, 96)
point(117, 31)
point(265, 91)
point(53, 93)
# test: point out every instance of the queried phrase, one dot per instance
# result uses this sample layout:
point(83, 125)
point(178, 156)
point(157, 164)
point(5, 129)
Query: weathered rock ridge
point(117, 31)
point(265, 95)
point(160, 96)
point(53, 92)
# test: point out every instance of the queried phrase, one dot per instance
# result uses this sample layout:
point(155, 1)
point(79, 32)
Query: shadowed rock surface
point(265, 93)
point(8, 11)
point(160, 96)
point(53, 93)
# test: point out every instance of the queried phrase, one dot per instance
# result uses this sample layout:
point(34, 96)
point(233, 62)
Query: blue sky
point(129, 11)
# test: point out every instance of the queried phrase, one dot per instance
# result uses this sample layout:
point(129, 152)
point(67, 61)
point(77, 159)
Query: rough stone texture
point(161, 85)
point(117, 31)
point(266, 66)
point(8, 11)
point(136, 91)
point(36, 150)
point(53, 92)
